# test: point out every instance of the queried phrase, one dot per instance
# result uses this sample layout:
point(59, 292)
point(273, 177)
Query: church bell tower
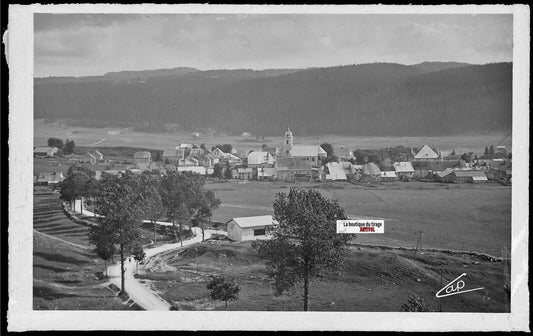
point(288, 143)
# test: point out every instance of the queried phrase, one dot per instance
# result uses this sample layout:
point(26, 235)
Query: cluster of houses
point(293, 162)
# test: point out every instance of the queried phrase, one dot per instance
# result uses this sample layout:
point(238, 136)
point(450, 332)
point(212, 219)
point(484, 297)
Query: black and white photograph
point(250, 160)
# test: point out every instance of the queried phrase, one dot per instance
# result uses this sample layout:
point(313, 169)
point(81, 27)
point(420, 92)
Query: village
point(310, 163)
point(370, 184)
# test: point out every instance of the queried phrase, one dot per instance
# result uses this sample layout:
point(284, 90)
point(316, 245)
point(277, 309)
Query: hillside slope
point(369, 99)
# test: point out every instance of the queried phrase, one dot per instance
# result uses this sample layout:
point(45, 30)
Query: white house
point(426, 153)
point(404, 169)
point(45, 151)
point(249, 228)
point(335, 172)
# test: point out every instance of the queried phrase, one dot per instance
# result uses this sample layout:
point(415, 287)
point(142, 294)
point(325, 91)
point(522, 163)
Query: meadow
point(450, 216)
point(372, 280)
point(114, 136)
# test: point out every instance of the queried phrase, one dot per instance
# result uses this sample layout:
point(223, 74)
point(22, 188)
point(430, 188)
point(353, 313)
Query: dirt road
point(143, 295)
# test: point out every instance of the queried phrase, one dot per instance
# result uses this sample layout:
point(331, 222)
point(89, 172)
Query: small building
point(49, 178)
point(207, 160)
point(245, 173)
point(334, 172)
point(45, 151)
point(249, 228)
point(388, 176)
point(142, 157)
point(446, 176)
point(371, 172)
point(404, 169)
point(424, 168)
point(426, 153)
point(219, 154)
point(470, 176)
point(245, 135)
point(266, 174)
point(172, 156)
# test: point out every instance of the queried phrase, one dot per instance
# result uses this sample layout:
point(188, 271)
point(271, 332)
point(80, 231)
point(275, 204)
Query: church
point(312, 153)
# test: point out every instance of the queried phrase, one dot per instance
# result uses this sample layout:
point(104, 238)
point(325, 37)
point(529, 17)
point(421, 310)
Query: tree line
point(368, 99)
point(123, 201)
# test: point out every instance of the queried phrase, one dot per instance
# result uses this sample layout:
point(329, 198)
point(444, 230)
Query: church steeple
point(289, 142)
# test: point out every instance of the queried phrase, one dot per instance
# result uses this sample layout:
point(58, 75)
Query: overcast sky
point(85, 45)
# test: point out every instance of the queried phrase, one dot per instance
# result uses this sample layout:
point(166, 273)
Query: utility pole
point(419, 242)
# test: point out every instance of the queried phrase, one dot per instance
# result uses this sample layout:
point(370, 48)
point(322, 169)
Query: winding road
point(141, 294)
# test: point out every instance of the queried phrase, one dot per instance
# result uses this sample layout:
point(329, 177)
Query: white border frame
point(21, 317)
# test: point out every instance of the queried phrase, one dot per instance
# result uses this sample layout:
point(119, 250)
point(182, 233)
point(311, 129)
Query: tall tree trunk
point(105, 265)
point(226, 305)
point(181, 233)
point(203, 233)
point(81, 205)
point(306, 284)
point(174, 228)
point(122, 269)
point(154, 233)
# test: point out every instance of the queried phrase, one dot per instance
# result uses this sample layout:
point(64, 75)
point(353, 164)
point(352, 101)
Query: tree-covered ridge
point(368, 99)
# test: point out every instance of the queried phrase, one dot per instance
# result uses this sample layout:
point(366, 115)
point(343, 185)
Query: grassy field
point(84, 136)
point(65, 268)
point(49, 218)
point(451, 216)
point(64, 278)
point(373, 280)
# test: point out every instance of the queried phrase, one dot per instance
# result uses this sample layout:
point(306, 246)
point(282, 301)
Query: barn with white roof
point(249, 228)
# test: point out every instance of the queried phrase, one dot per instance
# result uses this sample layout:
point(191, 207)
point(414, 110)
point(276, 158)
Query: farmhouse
point(249, 228)
point(388, 176)
point(371, 172)
point(404, 169)
point(470, 176)
point(425, 168)
point(426, 153)
point(49, 178)
point(172, 156)
point(294, 169)
point(45, 151)
point(266, 174)
point(446, 175)
point(142, 157)
point(334, 172)
point(245, 173)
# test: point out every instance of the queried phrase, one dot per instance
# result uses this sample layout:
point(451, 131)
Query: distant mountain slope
point(438, 66)
point(369, 99)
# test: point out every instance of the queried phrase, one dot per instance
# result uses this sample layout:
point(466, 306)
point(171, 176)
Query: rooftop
point(246, 222)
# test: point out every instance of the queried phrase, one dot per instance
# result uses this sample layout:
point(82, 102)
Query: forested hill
point(371, 99)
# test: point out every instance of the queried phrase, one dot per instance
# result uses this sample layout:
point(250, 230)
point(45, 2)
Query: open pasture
point(114, 136)
point(373, 280)
point(451, 216)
